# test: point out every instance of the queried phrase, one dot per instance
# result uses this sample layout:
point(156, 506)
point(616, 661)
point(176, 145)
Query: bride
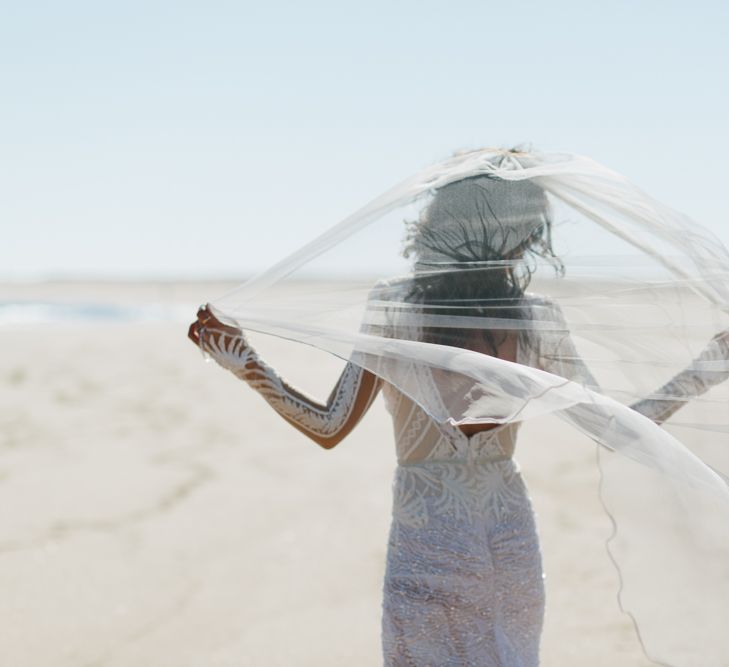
point(464, 581)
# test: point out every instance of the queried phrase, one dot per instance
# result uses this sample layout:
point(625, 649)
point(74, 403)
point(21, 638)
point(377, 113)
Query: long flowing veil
point(620, 319)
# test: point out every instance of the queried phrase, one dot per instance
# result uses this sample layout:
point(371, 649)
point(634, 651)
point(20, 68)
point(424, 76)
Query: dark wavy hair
point(476, 246)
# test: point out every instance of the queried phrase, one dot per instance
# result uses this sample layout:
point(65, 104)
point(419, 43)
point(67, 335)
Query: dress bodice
point(419, 437)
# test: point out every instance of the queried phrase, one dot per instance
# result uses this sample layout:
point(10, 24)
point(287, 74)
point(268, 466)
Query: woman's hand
point(210, 326)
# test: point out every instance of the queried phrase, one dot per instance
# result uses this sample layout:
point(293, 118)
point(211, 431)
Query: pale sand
point(155, 512)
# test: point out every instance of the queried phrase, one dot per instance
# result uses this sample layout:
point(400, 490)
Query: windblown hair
point(476, 246)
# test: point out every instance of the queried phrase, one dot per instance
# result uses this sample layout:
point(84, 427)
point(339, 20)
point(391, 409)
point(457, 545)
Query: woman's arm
point(696, 379)
point(328, 423)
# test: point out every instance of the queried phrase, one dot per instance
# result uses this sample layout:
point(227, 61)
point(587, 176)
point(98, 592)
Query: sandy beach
point(154, 511)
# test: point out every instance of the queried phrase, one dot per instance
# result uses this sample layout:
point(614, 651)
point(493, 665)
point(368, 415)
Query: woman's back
point(419, 436)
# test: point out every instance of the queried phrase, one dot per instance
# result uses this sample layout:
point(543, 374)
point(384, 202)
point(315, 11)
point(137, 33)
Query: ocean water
point(47, 312)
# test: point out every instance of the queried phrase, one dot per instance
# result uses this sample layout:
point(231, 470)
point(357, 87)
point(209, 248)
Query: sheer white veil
point(624, 295)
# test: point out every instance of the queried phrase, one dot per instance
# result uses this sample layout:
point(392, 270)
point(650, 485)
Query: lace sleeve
point(707, 370)
point(327, 423)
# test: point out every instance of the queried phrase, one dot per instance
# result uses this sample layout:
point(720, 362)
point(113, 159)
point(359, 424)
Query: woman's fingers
point(206, 319)
point(213, 328)
point(210, 322)
point(204, 315)
point(211, 335)
point(194, 334)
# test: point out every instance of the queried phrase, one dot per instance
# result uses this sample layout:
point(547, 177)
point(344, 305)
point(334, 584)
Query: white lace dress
point(463, 582)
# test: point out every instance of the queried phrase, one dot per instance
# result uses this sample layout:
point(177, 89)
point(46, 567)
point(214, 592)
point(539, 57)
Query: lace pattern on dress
point(465, 490)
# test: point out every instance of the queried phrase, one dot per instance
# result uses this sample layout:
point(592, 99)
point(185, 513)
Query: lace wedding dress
point(463, 583)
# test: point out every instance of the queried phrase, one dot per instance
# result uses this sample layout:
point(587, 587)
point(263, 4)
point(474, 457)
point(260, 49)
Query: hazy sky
point(190, 138)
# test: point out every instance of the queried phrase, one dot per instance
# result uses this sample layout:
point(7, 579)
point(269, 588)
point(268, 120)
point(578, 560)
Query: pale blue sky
point(186, 139)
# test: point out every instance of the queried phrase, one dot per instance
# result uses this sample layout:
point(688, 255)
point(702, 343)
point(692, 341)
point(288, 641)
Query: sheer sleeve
point(558, 355)
point(326, 423)
point(704, 372)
